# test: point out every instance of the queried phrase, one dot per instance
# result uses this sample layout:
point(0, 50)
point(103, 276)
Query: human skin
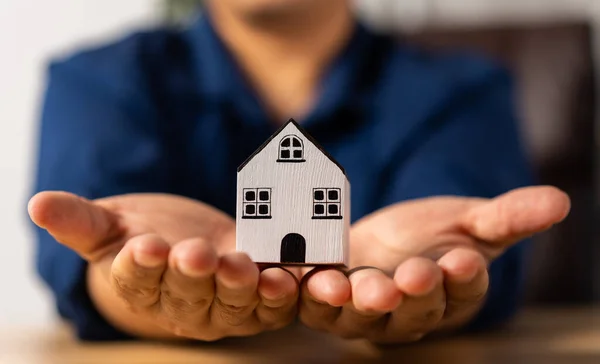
point(283, 47)
point(163, 266)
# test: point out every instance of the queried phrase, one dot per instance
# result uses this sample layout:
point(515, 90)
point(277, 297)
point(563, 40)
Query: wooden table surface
point(537, 336)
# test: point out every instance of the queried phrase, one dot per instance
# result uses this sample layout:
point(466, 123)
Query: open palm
point(421, 266)
point(171, 261)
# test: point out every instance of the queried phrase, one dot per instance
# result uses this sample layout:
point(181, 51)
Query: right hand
point(163, 266)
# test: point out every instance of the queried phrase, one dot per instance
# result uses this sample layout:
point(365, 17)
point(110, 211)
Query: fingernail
point(272, 284)
point(470, 276)
point(274, 297)
point(187, 269)
point(147, 260)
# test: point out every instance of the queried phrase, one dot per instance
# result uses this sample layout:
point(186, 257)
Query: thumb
point(85, 227)
point(517, 214)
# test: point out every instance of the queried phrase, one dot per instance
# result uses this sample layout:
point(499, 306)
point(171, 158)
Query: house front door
point(293, 249)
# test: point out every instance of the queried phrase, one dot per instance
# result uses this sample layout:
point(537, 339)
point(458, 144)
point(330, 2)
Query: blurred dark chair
point(554, 70)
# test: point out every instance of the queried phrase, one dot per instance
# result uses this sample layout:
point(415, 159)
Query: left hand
point(429, 262)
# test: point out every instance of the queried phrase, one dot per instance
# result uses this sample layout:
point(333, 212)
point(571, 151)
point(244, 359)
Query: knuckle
point(504, 226)
point(277, 319)
point(230, 314)
point(468, 299)
point(132, 292)
point(318, 316)
point(431, 317)
point(179, 308)
point(230, 318)
point(459, 304)
point(270, 317)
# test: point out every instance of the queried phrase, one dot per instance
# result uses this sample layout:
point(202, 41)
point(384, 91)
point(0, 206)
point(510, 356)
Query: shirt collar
point(222, 81)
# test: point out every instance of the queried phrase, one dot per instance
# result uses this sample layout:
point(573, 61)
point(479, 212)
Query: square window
point(319, 195)
point(319, 209)
point(333, 209)
point(250, 196)
point(250, 209)
point(263, 209)
point(285, 154)
point(326, 203)
point(257, 203)
point(298, 154)
point(263, 196)
point(333, 195)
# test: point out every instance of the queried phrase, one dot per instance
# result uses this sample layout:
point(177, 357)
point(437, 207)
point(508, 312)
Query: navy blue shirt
point(170, 111)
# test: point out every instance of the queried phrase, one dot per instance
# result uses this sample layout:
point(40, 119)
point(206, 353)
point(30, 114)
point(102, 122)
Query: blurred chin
point(267, 9)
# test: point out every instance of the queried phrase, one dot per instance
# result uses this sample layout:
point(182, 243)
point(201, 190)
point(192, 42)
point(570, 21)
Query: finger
point(137, 270)
point(466, 282)
point(236, 290)
point(188, 286)
point(80, 224)
point(329, 286)
point(517, 214)
point(421, 281)
point(372, 290)
point(278, 291)
point(373, 296)
point(322, 294)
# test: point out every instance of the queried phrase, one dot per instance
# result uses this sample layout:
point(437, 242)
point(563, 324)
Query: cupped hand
point(421, 266)
point(171, 262)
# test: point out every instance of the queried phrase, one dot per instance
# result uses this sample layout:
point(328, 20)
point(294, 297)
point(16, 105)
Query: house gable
point(301, 131)
point(293, 202)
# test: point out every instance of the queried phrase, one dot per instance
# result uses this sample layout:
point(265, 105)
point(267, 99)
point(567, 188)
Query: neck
point(284, 56)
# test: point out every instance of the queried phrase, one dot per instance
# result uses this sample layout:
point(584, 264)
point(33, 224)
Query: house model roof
point(302, 131)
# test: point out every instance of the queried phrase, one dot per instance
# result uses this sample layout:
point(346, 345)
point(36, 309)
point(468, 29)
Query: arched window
point(291, 149)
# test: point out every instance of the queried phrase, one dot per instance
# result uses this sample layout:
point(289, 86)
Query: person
point(140, 140)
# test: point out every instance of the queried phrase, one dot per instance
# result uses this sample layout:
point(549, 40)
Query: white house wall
point(292, 205)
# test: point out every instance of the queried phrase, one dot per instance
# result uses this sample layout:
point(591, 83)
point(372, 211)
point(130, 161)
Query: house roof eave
point(304, 133)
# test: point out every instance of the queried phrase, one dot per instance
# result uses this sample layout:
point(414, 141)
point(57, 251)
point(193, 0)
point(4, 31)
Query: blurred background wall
point(548, 43)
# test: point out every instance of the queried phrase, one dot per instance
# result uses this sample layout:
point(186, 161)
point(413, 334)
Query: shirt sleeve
point(472, 147)
point(97, 138)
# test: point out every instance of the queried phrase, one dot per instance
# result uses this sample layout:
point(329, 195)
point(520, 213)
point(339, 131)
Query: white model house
point(293, 202)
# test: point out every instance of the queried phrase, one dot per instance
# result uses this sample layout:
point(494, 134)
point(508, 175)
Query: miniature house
point(293, 202)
